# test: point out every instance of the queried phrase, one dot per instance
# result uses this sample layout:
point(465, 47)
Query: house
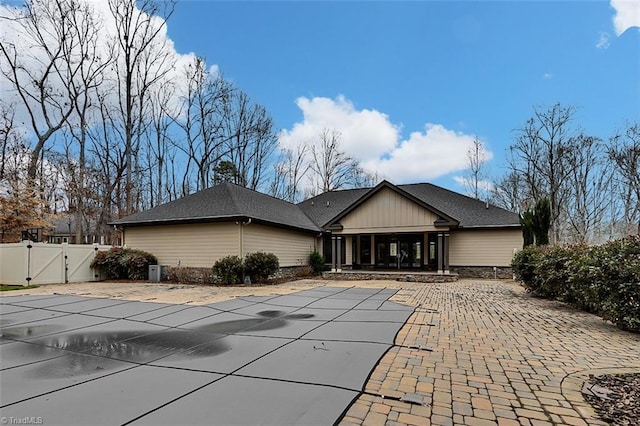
point(387, 227)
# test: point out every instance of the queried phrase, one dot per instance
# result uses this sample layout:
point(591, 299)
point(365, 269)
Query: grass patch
point(7, 287)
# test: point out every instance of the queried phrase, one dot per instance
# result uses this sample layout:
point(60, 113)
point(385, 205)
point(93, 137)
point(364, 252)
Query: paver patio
point(474, 352)
point(487, 353)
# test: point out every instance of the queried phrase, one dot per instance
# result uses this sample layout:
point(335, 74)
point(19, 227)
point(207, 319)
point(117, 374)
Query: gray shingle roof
point(224, 202)
point(227, 201)
point(469, 212)
point(324, 207)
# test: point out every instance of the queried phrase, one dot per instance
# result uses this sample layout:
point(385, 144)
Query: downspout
point(242, 225)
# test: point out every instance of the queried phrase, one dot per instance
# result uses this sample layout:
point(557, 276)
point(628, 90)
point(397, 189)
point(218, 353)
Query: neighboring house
point(406, 227)
point(63, 230)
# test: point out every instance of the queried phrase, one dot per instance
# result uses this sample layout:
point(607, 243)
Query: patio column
point(333, 253)
point(339, 254)
point(445, 249)
point(440, 253)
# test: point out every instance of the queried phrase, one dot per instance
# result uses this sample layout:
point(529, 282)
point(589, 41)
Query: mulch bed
point(616, 398)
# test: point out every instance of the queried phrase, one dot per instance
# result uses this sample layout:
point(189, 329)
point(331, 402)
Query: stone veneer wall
point(407, 277)
point(501, 272)
point(192, 275)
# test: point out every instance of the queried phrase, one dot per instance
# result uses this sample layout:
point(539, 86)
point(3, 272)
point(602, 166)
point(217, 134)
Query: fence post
point(28, 246)
point(96, 276)
point(65, 263)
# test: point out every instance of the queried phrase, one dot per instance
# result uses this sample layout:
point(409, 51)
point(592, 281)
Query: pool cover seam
point(205, 385)
point(233, 373)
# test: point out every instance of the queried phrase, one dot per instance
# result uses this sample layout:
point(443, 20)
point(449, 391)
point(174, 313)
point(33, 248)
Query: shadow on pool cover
point(136, 346)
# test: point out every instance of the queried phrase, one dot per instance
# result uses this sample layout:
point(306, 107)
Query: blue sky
point(409, 84)
point(427, 75)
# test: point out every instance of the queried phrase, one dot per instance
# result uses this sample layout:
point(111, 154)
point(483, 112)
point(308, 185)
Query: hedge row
point(257, 266)
point(604, 280)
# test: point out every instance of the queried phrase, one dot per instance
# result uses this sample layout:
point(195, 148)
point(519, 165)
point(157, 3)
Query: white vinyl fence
point(40, 263)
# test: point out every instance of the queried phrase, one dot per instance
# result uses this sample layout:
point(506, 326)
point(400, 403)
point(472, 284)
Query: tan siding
point(197, 245)
point(483, 247)
point(388, 211)
point(292, 248)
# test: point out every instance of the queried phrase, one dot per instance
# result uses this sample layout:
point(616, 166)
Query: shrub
point(229, 270)
point(601, 279)
point(260, 266)
point(620, 290)
point(189, 275)
point(316, 261)
point(124, 263)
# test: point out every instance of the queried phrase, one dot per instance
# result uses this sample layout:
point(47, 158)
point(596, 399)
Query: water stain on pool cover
point(137, 346)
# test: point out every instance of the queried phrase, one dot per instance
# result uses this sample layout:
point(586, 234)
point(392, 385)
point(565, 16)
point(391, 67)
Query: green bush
point(124, 263)
point(260, 266)
point(621, 285)
point(601, 279)
point(229, 270)
point(316, 261)
point(523, 265)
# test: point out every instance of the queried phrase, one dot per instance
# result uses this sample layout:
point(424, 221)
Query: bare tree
point(12, 149)
point(109, 160)
point(330, 167)
point(204, 107)
point(43, 71)
point(476, 174)
point(588, 182)
point(250, 138)
point(625, 155)
point(141, 61)
point(539, 156)
point(289, 172)
point(511, 193)
point(89, 78)
point(157, 141)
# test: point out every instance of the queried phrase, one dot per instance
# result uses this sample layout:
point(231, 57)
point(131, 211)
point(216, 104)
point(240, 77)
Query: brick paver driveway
point(487, 353)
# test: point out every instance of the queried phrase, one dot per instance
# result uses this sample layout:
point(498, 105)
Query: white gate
point(41, 263)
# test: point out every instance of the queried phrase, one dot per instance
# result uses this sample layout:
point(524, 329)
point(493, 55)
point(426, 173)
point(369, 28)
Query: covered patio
point(424, 252)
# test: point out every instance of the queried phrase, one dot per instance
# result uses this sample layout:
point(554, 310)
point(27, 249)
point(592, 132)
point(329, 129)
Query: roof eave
point(217, 219)
point(178, 220)
point(511, 225)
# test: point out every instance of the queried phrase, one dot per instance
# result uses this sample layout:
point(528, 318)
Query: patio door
point(399, 251)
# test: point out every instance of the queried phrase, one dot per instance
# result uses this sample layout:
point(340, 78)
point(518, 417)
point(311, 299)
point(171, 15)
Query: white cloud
point(426, 155)
point(33, 57)
point(603, 41)
point(366, 134)
point(627, 15)
point(547, 76)
point(370, 137)
point(466, 183)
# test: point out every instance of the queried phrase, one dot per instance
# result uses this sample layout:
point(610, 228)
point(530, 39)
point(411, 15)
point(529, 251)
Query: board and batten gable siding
point(388, 211)
point(291, 247)
point(195, 245)
point(484, 247)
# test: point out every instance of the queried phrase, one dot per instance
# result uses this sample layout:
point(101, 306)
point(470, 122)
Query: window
point(365, 249)
point(326, 248)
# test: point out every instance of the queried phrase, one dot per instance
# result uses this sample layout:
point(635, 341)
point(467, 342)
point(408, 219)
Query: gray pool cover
point(295, 359)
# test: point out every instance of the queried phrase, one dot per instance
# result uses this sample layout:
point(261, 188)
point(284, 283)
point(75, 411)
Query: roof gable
point(390, 211)
point(443, 218)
